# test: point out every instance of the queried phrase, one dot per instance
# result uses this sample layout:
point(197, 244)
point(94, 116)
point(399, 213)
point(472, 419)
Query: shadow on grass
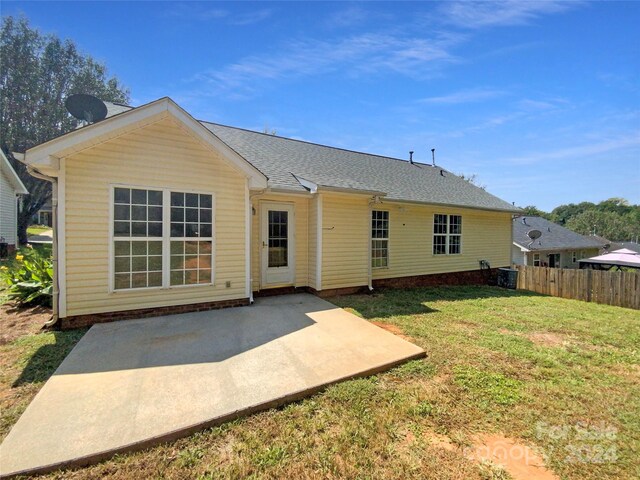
point(390, 302)
point(46, 359)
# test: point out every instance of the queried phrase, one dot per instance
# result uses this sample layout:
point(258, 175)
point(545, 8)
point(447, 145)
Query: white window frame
point(166, 237)
point(447, 235)
point(574, 256)
point(383, 239)
point(536, 259)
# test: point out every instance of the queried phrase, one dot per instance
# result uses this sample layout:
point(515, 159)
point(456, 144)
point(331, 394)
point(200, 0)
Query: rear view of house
point(555, 247)
point(11, 187)
point(157, 212)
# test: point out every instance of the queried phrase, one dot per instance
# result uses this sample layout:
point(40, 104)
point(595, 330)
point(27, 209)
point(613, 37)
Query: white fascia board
point(104, 130)
point(13, 177)
point(522, 248)
point(95, 133)
point(256, 178)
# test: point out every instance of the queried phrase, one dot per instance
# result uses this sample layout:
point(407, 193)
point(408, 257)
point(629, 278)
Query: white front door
point(277, 244)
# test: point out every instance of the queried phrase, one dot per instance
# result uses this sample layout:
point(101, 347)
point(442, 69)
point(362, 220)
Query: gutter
point(54, 250)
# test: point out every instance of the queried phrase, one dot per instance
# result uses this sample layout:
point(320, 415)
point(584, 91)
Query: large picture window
point(379, 238)
point(447, 234)
point(143, 237)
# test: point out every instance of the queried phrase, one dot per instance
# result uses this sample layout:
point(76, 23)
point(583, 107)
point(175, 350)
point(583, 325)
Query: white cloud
point(195, 11)
point(464, 96)
point(367, 53)
point(602, 146)
point(250, 18)
point(500, 13)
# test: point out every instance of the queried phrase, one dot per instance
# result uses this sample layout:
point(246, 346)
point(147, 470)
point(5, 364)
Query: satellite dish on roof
point(534, 234)
point(86, 107)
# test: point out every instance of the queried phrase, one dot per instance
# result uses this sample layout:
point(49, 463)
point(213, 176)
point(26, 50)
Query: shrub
point(29, 278)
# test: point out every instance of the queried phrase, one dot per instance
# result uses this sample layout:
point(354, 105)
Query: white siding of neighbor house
point(160, 155)
point(8, 210)
point(517, 255)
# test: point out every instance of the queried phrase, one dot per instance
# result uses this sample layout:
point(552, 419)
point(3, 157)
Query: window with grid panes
point(191, 238)
point(141, 238)
point(137, 233)
point(379, 238)
point(447, 234)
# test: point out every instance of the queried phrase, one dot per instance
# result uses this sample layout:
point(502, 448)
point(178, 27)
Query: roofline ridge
point(322, 145)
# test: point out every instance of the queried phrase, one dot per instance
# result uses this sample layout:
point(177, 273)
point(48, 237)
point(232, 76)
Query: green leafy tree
point(563, 213)
point(533, 211)
point(37, 73)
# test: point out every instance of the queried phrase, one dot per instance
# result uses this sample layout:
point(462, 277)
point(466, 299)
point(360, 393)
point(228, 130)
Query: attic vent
point(411, 157)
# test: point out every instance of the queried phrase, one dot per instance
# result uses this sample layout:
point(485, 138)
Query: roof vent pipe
point(433, 157)
point(411, 157)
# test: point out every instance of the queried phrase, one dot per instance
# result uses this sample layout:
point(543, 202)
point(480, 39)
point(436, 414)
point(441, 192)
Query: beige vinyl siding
point(345, 240)
point(161, 155)
point(301, 214)
point(346, 236)
point(8, 205)
point(313, 242)
point(485, 236)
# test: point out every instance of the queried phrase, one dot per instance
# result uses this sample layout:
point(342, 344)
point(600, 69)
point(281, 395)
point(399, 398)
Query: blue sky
point(540, 99)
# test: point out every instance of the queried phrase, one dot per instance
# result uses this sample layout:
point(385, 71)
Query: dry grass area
point(508, 374)
point(29, 355)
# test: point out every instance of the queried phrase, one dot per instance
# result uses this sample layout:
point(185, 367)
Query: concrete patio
point(131, 384)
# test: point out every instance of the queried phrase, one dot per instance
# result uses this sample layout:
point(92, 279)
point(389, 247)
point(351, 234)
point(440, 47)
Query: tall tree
point(534, 211)
point(37, 72)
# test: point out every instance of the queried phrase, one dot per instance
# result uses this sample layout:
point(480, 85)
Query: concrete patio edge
point(189, 430)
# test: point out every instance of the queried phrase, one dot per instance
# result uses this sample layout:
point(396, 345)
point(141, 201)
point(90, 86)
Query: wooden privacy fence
point(621, 289)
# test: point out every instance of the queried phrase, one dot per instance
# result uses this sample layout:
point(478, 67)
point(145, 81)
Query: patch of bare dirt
point(544, 339)
point(20, 321)
point(440, 441)
point(548, 339)
point(395, 330)
point(519, 460)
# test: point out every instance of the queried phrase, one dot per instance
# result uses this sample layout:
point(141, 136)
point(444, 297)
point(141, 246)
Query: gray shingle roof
point(282, 160)
point(554, 236)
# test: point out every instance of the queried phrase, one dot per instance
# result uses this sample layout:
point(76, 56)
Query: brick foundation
point(78, 321)
point(271, 292)
point(470, 277)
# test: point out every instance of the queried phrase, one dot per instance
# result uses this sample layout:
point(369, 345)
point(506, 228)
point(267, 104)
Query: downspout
point(369, 270)
point(250, 228)
point(54, 246)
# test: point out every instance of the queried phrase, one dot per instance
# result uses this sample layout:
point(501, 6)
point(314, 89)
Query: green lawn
point(559, 375)
point(37, 229)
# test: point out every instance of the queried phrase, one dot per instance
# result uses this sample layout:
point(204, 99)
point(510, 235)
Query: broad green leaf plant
point(29, 279)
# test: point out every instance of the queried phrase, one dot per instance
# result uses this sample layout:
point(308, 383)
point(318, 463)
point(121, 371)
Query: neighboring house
point(44, 216)
point(610, 246)
point(160, 213)
point(11, 187)
point(557, 246)
point(635, 246)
